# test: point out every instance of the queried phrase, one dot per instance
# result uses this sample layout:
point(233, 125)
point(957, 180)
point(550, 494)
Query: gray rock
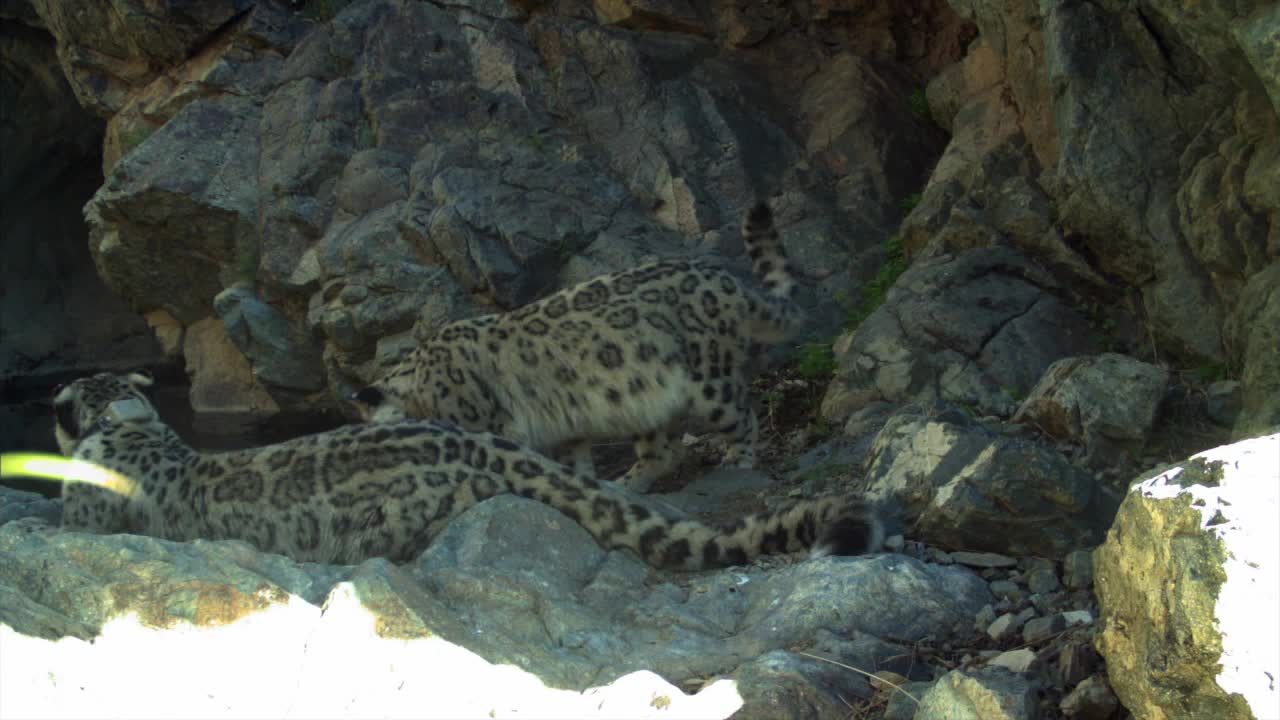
point(1043, 580)
point(1194, 546)
point(1042, 628)
point(964, 486)
point(1077, 570)
point(989, 693)
point(1252, 327)
point(511, 580)
point(1008, 590)
point(1076, 661)
point(1008, 625)
point(1022, 660)
point(978, 329)
point(1223, 401)
point(281, 356)
point(1106, 403)
point(902, 706)
point(983, 559)
point(1090, 700)
point(16, 504)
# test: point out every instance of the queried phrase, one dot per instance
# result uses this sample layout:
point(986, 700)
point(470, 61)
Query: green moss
point(815, 361)
point(875, 291)
point(910, 202)
point(919, 104)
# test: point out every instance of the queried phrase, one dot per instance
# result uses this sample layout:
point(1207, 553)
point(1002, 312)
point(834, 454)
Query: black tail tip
point(760, 214)
point(856, 532)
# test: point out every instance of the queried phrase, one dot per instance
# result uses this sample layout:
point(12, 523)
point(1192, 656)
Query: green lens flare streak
point(67, 470)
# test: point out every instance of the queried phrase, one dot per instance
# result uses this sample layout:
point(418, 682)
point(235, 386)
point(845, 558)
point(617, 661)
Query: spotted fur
point(382, 490)
point(628, 355)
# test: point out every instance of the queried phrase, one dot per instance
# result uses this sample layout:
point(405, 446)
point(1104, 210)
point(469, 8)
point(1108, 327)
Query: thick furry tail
point(768, 257)
point(775, 317)
point(833, 525)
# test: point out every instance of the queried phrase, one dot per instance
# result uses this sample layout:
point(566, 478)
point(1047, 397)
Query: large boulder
point(1188, 581)
point(960, 485)
point(977, 328)
point(1164, 205)
point(538, 606)
point(1105, 403)
point(287, 152)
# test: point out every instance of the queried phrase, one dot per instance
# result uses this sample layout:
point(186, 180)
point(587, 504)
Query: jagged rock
point(511, 580)
point(989, 693)
point(1180, 580)
point(16, 504)
point(978, 328)
point(1223, 401)
point(1076, 661)
point(960, 485)
point(983, 559)
point(1106, 403)
point(224, 391)
point(56, 316)
point(1255, 328)
point(1077, 569)
point(1040, 629)
point(279, 355)
point(1022, 660)
point(1090, 700)
point(1042, 580)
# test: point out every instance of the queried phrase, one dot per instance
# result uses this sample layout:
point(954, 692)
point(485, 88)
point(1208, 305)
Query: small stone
point(1008, 590)
point(1077, 570)
point(902, 706)
point(895, 543)
point(1090, 700)
point(942, 557)
point(983, 560)
point(1043, 628)
point(887, 680)
point(1077, 617)
point(1008, 624)
point(1032, 563)
point(1049, 603)
point(1020, 661)
point(1223, 400)
point(353, 294)
point(1043, 580)
point(1076, 662)
point(985, 617)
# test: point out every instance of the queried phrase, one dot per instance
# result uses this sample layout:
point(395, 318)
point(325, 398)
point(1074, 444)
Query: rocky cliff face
point(348, 169)
point(1031, 234)
point(56, 316)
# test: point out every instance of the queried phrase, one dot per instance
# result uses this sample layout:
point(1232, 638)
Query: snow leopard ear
point(130, 411)
point(140, 379)
point(370, 396)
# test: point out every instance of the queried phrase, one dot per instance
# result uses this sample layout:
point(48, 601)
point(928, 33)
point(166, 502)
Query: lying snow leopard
point(381, 490)
point(627, 355)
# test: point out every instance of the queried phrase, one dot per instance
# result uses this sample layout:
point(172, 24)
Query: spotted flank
point(643, 355)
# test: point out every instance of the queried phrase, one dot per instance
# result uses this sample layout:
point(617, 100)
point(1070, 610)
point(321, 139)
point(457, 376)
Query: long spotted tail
point(832, 525)
point(776, 317)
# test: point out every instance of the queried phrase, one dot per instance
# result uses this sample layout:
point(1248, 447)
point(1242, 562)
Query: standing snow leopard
point(626, 355)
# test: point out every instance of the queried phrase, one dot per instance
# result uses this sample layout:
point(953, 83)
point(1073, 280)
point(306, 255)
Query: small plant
point(919, 104)
point(773, 403)
point(319, 10)
point(1211, 372)
point(910, 202)
point(815, 361)
point(874, 292)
